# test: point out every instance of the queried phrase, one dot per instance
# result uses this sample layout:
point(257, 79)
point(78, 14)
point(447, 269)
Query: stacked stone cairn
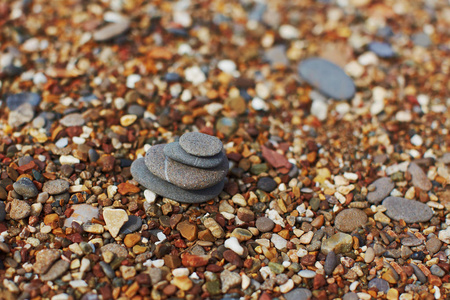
point(192, 170)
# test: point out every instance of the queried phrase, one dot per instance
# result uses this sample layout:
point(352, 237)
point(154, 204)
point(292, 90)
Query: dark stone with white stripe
point(181, 175)
point(161, 187)
point(175, 152)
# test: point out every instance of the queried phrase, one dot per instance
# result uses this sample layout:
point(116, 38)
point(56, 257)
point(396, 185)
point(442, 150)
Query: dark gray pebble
point(381, 49)
point(383, 187)
point(410, 211)
point(267, 184)
point(2, 211)
point(142, 175)
point(133, 224)
point(25, 187)
point(298, 294)
point(14, 101)
point(331, 262)
point(175, 152)
point(381, 284)
point(182, 175)
point(419, 274)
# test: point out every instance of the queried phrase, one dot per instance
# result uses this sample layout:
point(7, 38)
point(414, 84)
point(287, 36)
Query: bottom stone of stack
point(163, 188)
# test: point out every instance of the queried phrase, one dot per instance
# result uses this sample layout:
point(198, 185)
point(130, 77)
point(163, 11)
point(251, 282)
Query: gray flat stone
point(410, 211)
point(383, 187)
point(419, 178)
point(142, 175)
point(327, 77)
point(181, 175)
point(16, 100)
point(54, 187)
point(298, 294)
point(175, 152)
point(57, 270)
point(200, 144)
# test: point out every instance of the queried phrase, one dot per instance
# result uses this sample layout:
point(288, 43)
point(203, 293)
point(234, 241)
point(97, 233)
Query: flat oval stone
point(419, 178)
point(16, 100)
point(116, 249)
point(142, 175)
point(350, 219)
point(133, 224)
point(381, 284)
point(55, 187)
point(381, 49)
point(327, 77)
point(181, 175)
point(409, 210)
point(70, 120)
point(383, 187)
point(111, 30)
point(175, 152)
point(200, 144)
point(25, 187)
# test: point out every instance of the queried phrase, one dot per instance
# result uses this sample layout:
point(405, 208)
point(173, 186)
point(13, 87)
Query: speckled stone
point(181, 175)
point(327, 77)
point(55, 187)
point(298, 294)
point(350, 219)
point(142, 175)
point(200, 144)
point(381, 284)
point(175, 152)
point(116, 249)
point(70, 120)
point(419, 178)
point(409, 210)
point(264, 224)
point(383, 187)
point(57, 270)
point(25, 187)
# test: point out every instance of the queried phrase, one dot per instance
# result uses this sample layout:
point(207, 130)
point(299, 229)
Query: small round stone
point(175, 152)
point(381, 284)
point(19, 209)
point(264, 224)
point(410, 211)
point(25, 187)
point(327, 77)
point(55, 187)
point(350, 219)
point(267, 184)
point(74, 119)
point(298, 294)
point(200, 144)
point(381, 49)
point(181, 175)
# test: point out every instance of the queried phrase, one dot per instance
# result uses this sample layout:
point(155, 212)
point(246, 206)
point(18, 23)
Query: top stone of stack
point(199, 144)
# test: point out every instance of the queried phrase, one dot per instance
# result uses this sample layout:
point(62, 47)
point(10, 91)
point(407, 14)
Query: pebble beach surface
point(224, 150)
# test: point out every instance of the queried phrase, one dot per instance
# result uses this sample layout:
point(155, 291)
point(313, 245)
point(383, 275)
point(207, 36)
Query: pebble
point(57, 186)
point(111, 30)
point(181, 175)
point(133, 224)
point(328, 78)
point(226, 126)
point(381, 284)
point(175, 152)
point(82, 213)
point(331, 261)
point(15, 101)
point(44, 260)
point(279, 242)
point(19, 209)
point(437, 271)
point(195, 75)
point(409, 210)
point(2, 211)
point(227, 66)
point(115, 219)
point(381, 49)
point(369, 255)
point(298, 294)
point(421, 39)
point(229, 280)
point(350, 219)
point(116, 249)
point(267, 184)
point(419, 178)
point(161, 187)
point(232, 243)
point(25, 187)
point(200, 144)
point(56, 270)
point(307, 274)
point(433, 245)
point(71, 120)
point(339, 243)
point(24, 114)
point(382, 188)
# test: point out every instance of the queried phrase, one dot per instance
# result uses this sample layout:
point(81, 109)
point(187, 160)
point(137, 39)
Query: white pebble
point(195, 75)
point(78, 283)
point(161, 236)
point(287, 287)
point(186, 95)
point(368, 58)
point(158, 263)
point(214, 108)
point(180, 272)
point(68, 160)
point(288, 32)
point(119, 103)
point(62, 142)
point(354, 285)
point(403, 116)
point(227, 66)
point(39, 78)
point(233, 244)
point(150, 196)
point(342, 108)
point(245, 282)
point(78, 140)
point(278, 241)
point(184, 49)
point(307, 274)
point(351, 176)
point(319, 109)
point(259, 104)
point(132, 80)
point(416, 140)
